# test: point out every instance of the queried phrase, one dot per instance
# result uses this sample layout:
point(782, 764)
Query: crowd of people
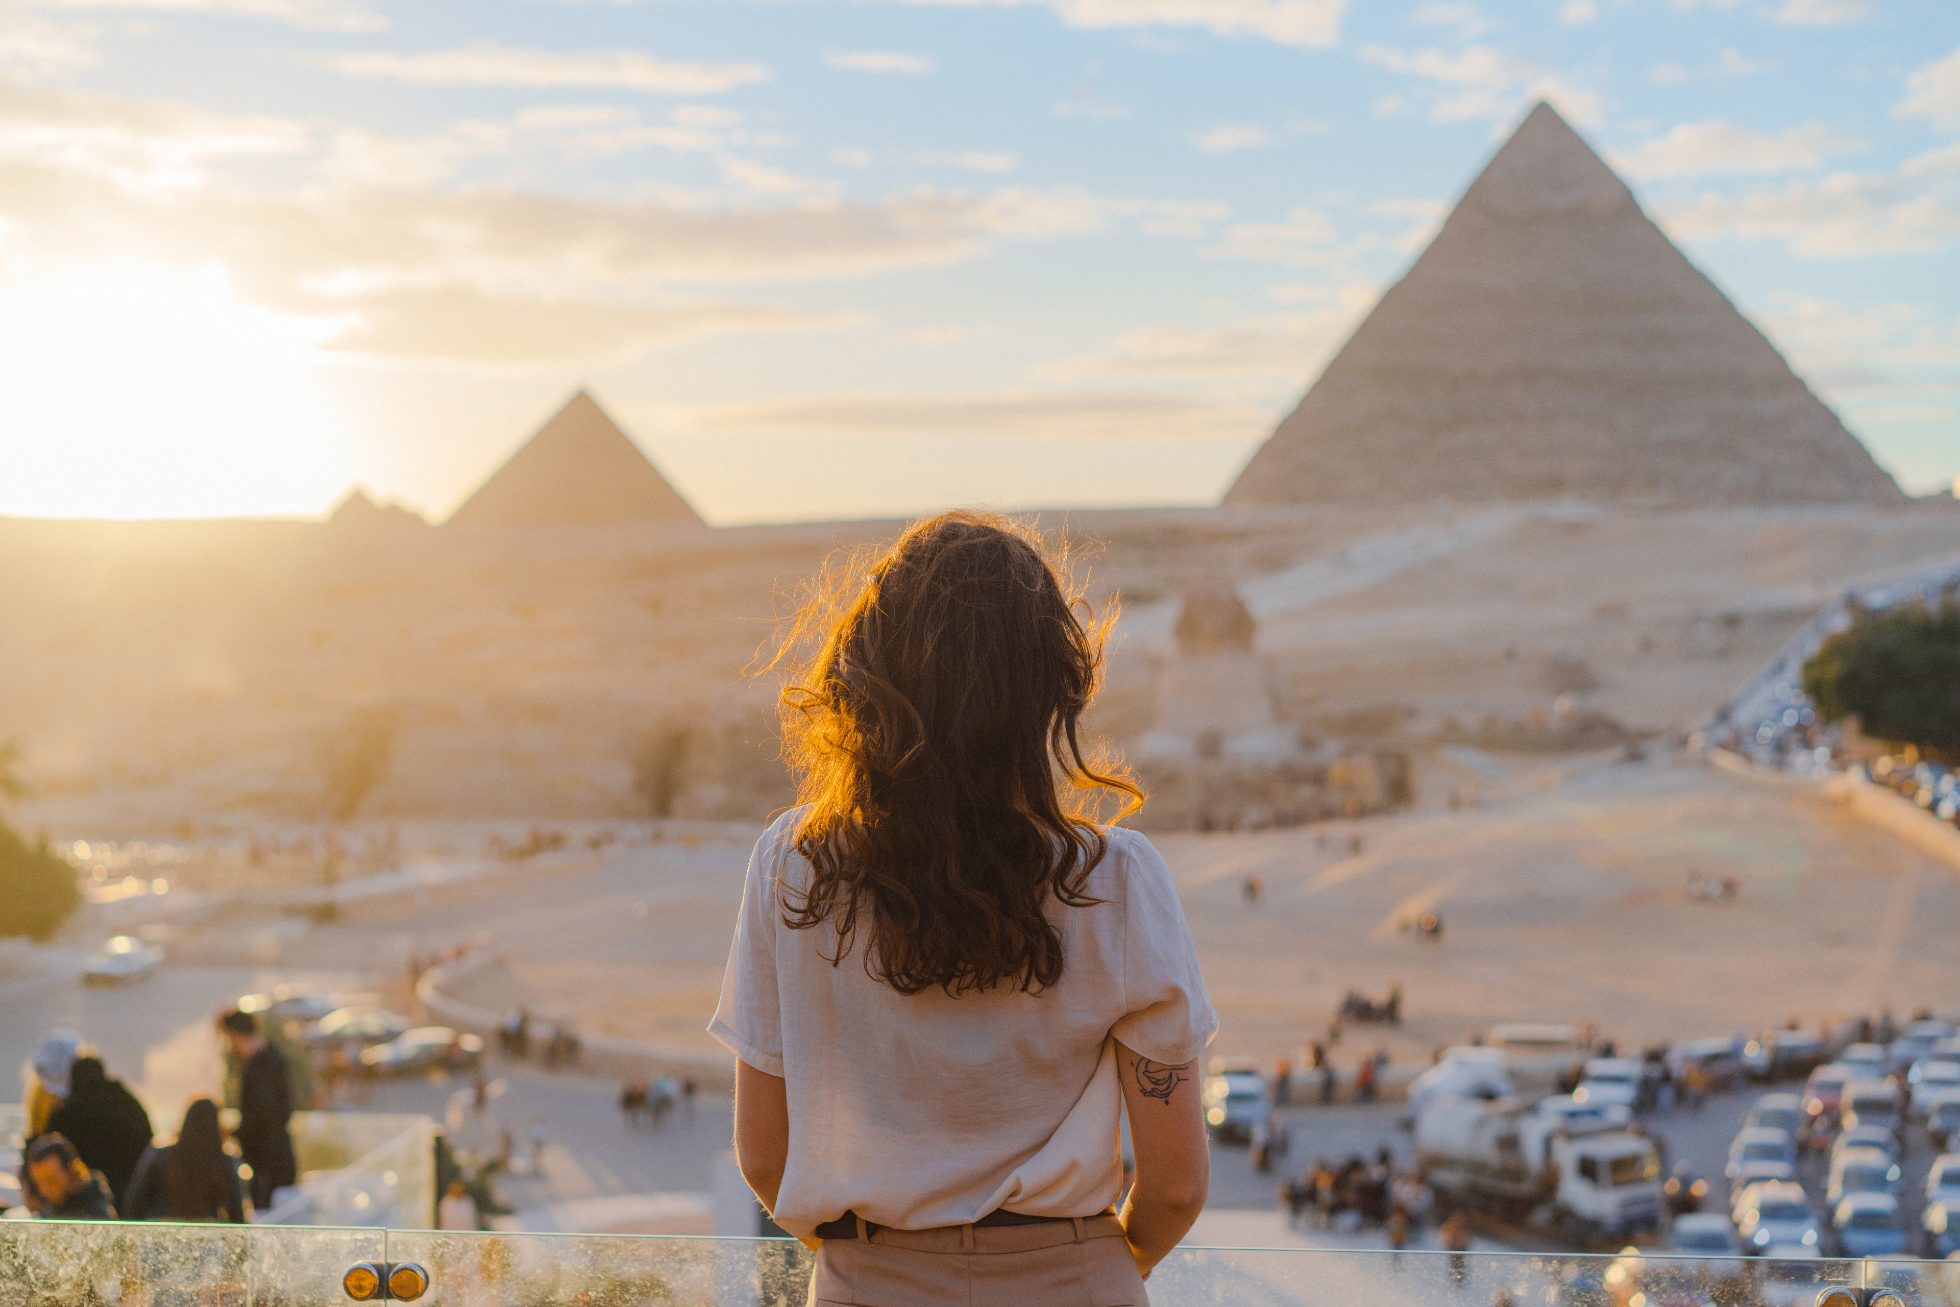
point(558, 1044)
point(1359, 1193)
point(90, 1151)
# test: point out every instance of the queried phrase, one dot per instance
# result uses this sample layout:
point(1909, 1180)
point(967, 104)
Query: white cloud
point(1304, 238)
point(1577, 13)
point(1285, 349)
point(1229, 138)
point(1707, 148)
point(463, 323)
point(1122, 417)
point(761, 179)
point(1912, 209)
point(1732, 63)
point(880, 61)
point(140, 145)
point(1465, 18)
point(33, 48)
point(1874, 349)
point(993, 161)
point(314, 15)
point(1933, 93)
point(1484, 83)
point(1822, 13)
point(1312, 24)
point(485, 64)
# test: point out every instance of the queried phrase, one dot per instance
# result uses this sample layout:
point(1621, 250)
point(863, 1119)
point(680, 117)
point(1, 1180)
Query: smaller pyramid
point(579, 469)
point(360, 511)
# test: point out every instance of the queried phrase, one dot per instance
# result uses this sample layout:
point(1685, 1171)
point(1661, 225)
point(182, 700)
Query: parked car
point(360, 1027)
point(1751, 1174)
point(1870, 1102)
point(1943, 1179)
point(1575, 1113)
point(1773, 1214)
point(1237, 1101)
point(1940, 1230)
point(1777, 1112)
point(1823, 1092)
point(1684, 1190)
point(123, 960)
point(1867, 1061)
point(425, 1048)
point(1719, 1059)
point(1783, 1053)
point(1703, 1234)
point(1868, 1136)
point(1861, 1171)
point(1757, 1144)
point(1930, 1075)
point(1868, 1225)
point(293, 1003)
point(1610, 1081)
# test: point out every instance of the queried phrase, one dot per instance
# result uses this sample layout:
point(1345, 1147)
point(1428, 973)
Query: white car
point(1869, 1225)
point(1870, 1102)
point(1759, 1144)
point(1237, 1104)
point(1774, 1214)
point(121, 961)
point(1703, 1234)
point(1570, 1111)
point(1866, 1061)
point(1610, 1081)
point(1929, 1075)
point(360, 1027)
point(1861, 1171)
point(1750, 1176)
point(1777, 1112)
point(1943, 1179)
point(1867, 1136)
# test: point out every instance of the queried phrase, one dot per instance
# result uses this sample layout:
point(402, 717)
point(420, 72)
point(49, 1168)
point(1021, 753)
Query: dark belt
point(846, 1226)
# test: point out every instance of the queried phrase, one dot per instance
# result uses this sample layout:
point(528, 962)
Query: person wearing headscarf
point(193, 1179)
point(105, 1122)
point(45, 1078)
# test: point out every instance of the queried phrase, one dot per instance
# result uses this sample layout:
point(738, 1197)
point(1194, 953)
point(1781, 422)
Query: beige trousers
point(1081, 1263)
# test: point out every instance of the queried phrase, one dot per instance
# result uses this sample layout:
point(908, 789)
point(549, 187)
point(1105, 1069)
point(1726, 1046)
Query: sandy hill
point(1551, 341)
point(579, 469)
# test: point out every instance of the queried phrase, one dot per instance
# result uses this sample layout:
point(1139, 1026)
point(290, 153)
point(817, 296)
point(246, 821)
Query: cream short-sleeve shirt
point(923, 1110)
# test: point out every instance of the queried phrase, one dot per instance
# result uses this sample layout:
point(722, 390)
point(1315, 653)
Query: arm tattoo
point(1158, 1079)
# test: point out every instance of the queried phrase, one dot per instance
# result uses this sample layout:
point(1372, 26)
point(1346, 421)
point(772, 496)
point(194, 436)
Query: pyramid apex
point(579, 468)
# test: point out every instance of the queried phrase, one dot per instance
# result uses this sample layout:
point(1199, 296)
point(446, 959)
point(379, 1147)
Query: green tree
point(38, 887)
point(1897, 672)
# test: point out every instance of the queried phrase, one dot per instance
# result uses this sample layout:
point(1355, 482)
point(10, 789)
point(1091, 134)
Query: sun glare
point(143, 390)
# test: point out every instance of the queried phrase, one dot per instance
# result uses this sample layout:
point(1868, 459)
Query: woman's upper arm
point(761, 1120)
point(1165, 1104)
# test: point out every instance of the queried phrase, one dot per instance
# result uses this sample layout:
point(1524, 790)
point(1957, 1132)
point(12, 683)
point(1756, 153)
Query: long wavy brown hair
point(935, 731)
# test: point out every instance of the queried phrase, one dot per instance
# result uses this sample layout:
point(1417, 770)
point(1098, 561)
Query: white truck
point(1586, 1180)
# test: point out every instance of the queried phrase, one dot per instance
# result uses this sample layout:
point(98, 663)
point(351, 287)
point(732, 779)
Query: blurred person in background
point(192, 1179)
point(65, 1188)
point(104, 1122)
point(44, 1078)
point(265, 1107)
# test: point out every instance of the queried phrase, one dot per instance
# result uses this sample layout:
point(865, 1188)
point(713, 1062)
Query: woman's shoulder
point(1128, 857)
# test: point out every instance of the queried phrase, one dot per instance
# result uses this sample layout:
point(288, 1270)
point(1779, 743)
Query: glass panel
point(542, 1270)
point(361, 1168)
point(1216, 1277)
point(70, 1264)
point(547, 1270)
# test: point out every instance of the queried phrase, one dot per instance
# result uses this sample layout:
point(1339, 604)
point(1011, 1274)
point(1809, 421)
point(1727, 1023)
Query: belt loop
point(967, 1243)
point(1076, 1221)
point(862, 1226)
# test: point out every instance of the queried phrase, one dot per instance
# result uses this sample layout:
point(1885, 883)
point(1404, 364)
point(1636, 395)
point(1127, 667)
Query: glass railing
point(47, 1263)
point(361, 1168)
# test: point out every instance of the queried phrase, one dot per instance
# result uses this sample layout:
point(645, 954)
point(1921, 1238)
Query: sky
point(828, 260)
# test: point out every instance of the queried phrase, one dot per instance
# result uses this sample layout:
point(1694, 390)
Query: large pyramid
point(1552, 342)
point(580, 469)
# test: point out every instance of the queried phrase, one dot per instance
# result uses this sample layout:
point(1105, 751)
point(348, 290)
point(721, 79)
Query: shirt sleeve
point(1169, 1017)
point(748, 1020)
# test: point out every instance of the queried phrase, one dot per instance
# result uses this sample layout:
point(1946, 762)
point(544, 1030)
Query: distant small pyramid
point(580, 469)
point(1553, 342)
point(359, 511)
